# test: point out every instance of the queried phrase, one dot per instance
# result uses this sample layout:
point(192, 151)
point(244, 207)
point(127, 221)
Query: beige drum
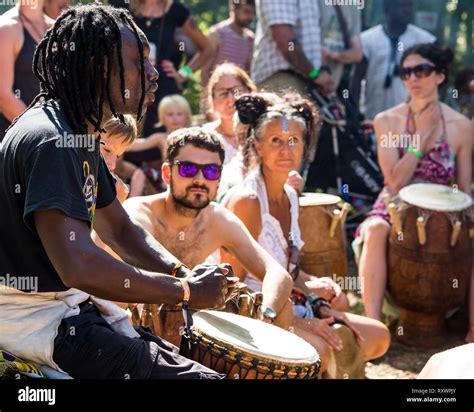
point(321, 224)
point(245, 348)
point(429, 259)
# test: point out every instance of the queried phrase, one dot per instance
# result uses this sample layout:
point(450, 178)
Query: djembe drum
point(429, 259)
point(321, 223)
point(167, 321)
point(245, 348)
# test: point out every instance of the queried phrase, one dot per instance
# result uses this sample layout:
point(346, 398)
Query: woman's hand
point(295, 180)
point(322, 328)
point(328, 313)
point(325, 288)
point(170, 71)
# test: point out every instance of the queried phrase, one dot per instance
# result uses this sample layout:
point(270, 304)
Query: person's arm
point(10, 105)
point(213, 38)
point(360, 72)
point(84, 266)
point(464, 156)
point(238, 242)
point(351, 55)
point(156, 140)
point(191, 29)
point(284, 36)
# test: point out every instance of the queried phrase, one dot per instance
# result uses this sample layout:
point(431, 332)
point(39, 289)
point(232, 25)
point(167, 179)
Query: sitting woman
point(440, 152)
point(279, 135)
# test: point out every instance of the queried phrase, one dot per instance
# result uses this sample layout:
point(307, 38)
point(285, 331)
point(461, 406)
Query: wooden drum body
point(429, 260)
point(321, 224)
point(245, 348)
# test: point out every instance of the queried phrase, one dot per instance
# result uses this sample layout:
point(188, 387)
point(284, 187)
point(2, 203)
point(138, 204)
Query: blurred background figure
point(53, 8)
point(340, 36)
point(231, 41)
point(21, 29)
point(383, 46)
point(159, 20)
point(461, 96)
point(287, 52)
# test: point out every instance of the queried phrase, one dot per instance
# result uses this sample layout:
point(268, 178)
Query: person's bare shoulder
point(9, 24)
point(142, 208)
point(246, 205)
point(453, 116)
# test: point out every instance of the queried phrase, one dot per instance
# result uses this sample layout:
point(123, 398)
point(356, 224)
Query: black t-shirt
point(40, 170)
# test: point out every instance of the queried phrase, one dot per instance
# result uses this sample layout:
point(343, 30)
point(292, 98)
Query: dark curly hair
point(256, 110)
point(441, 58)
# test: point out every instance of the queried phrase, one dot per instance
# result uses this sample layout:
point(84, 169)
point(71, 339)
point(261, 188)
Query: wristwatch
point(269, 314)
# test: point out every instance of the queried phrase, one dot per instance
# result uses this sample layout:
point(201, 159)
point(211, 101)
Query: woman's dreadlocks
point(70, 62)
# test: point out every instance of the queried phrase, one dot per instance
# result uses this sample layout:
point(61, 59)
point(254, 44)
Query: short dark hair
point(237, 3)
point(195, 136)
point(441, 58)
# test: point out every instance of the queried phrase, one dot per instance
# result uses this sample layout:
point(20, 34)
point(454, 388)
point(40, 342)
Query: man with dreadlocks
point(93, 65)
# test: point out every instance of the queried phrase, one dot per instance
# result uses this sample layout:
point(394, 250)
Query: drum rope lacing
point(208, 350)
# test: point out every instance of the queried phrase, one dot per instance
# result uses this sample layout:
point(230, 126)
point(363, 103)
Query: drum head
point(318, 199)
point(253, 337)
point(435, 197)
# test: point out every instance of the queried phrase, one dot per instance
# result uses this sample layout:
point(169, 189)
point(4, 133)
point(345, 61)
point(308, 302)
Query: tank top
point(25, 83)
point(271, 237)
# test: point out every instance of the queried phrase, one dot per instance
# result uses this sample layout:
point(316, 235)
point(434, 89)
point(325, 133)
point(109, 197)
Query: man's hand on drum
point(325, 288)
point(328, 313)
point(211, 286)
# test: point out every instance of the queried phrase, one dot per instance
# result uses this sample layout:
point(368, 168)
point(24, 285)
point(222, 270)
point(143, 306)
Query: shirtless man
point(192, 228)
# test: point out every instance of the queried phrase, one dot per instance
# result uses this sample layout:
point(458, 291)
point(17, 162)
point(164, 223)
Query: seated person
point(191, 226)
point(442, 155)
point(279, 135)
point(117, 139)
point(52, 193)
point(147, 153)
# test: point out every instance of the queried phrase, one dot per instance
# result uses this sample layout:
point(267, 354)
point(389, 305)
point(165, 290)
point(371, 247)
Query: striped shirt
point(233, 47)
point(303, 15)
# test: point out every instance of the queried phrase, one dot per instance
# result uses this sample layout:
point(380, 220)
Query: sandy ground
point(404, 362)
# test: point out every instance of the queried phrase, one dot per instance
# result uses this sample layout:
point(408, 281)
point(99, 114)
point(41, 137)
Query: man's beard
point(182, 202)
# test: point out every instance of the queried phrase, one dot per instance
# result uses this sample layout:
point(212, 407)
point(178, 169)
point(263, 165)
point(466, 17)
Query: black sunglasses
point(421, 71)
point(211, 171)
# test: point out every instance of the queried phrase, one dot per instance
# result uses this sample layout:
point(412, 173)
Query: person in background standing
point(158, 19)
point(340, 37)
point(231, 42)
point(287, 51)
point(21, 29)
point(383, 46)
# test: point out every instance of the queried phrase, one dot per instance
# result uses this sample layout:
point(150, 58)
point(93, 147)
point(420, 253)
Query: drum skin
point(321, 254)
point(427, 281)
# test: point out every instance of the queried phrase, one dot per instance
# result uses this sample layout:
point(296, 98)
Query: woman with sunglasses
point(422, 140)
point(280, 132)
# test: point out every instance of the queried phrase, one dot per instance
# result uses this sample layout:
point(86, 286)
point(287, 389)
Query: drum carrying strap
point(188, 324)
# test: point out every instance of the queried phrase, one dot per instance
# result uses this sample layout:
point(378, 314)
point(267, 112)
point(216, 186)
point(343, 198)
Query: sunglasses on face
point(211, 171)
point(420, 71)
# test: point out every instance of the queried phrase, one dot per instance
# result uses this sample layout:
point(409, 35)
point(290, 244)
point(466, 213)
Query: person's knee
point(341, 303)
point(380, 342)
point(325, 353)
point(376, 230)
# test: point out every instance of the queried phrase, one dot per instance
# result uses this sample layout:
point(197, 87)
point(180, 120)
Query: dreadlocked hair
point(256, 110)
point(70, 63)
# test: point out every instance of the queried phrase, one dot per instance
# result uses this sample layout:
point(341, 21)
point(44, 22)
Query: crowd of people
point(159, 209)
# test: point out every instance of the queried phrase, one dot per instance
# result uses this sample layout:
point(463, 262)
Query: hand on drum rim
point(342, 318)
